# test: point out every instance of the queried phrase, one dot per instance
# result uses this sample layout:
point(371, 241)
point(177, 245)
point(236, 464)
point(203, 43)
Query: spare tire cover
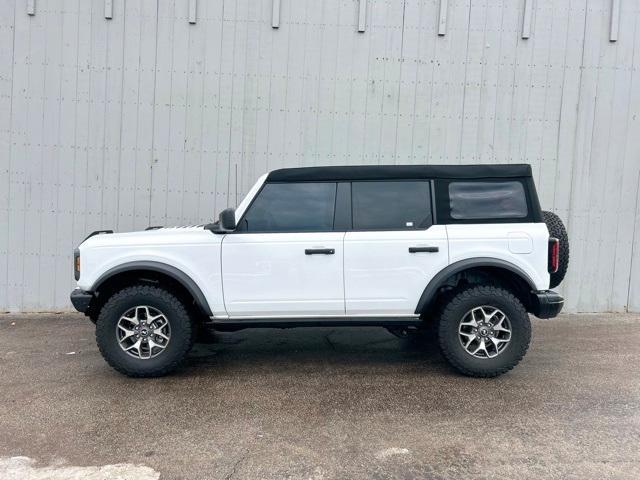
point(557, 230)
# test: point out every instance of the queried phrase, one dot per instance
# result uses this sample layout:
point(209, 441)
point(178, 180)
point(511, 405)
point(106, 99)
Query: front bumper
point(546, 303)
point(81, 300)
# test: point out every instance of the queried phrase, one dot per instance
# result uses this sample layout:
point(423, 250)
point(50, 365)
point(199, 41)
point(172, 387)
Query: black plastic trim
point(216, 229)
point(315, 322)
point(343, 218)
point(546, 303)
point(319, 251)
point(434, 210)
point(96, 232)
point(178, 275)
point(81, 300)
point(441, 277)
point(424, 249)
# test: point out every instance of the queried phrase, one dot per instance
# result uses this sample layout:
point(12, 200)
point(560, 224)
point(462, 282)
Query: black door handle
point(319, 251)
point(423, 249)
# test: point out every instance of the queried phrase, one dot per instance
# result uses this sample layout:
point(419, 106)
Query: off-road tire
point(556, 229)
point(455, 309)
point(174, 310)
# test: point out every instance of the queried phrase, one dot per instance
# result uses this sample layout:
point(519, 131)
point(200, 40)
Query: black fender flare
point(441, 277)
point(175, 273)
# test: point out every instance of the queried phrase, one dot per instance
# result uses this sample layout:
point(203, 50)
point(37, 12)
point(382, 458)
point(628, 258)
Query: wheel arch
point(155, 272)
point(500, 270)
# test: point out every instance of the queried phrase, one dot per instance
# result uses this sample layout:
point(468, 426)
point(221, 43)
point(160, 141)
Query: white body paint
point(249, 275)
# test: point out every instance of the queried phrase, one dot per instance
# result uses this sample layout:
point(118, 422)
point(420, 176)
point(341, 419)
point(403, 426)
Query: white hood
point(155, 236)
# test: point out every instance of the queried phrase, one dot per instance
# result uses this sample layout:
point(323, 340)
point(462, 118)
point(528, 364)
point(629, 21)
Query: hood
point(151, 236)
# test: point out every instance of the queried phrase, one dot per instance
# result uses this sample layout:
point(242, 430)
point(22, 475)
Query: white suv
point(465, 248)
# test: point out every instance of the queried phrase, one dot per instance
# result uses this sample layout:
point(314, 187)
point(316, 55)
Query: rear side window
point(398, 205)
point(292, 207)
point(487, 200)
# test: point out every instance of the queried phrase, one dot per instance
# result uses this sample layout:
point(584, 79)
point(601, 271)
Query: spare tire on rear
point(557, 230)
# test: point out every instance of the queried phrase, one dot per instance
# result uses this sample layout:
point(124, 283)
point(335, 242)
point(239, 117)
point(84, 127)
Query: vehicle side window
point(391, 205)
point(292, 207)
point(487, 200)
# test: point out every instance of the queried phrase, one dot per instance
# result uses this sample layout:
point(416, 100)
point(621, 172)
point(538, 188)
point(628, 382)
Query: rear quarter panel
point(524, 245)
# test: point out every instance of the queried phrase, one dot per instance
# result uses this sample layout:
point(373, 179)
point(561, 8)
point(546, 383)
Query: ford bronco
point(464, 249)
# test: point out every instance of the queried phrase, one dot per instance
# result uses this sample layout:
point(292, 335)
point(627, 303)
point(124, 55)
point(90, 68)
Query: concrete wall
point(147, 119)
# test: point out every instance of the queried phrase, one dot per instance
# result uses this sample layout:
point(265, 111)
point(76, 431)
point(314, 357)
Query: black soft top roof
point(389, 172)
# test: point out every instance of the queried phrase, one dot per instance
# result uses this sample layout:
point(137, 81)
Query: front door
point(285, 259)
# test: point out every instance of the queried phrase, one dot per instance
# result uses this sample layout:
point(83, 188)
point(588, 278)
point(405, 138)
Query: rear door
point(285, 258)
point(394, 248)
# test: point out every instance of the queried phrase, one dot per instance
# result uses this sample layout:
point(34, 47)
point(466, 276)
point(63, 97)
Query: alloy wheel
point(143, 332)
point(484, 332)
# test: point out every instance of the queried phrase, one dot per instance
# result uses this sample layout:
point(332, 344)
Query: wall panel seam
point(9, 166)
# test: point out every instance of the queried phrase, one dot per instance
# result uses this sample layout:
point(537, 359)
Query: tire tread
point(109, 309)
point(446, 315)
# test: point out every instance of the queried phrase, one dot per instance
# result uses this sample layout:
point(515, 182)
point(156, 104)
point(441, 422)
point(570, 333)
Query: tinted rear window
point(391, 205)
point(487, 200)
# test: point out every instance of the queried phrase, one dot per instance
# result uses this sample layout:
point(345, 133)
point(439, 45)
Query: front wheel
point(484, 331)
point(144, 331)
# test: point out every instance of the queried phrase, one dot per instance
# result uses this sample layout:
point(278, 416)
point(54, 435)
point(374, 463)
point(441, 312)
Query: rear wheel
point(144, 331)
point(484, 331)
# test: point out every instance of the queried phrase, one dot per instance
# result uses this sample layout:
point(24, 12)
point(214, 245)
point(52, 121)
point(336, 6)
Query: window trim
point(466, 213)
point(434, 210)
point(343, 216)
point(443, 205)
point(428, 181)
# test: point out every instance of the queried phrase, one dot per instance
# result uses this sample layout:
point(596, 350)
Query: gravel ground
point(321, 403)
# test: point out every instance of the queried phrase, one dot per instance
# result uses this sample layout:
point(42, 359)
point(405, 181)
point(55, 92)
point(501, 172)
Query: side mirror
point(228, 219)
